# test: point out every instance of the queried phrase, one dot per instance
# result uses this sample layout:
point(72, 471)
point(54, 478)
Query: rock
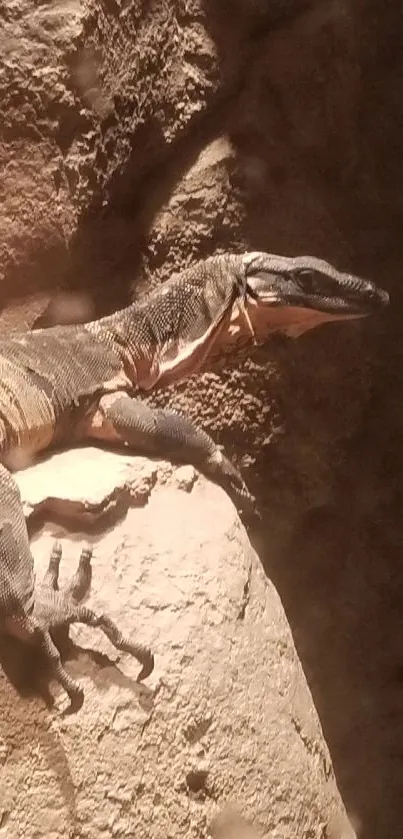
point(142, 142)
point(78, 495)
point(226, 719)
point(94, 96)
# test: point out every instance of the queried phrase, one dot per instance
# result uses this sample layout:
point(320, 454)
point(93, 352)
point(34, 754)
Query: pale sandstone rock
point(226, 718)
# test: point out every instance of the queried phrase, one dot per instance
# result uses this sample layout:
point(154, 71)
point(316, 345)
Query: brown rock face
point(136, 137)
point(168, 132)
point(226, 718)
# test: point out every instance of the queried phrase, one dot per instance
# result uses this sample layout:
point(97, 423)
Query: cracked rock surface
point(226, 718)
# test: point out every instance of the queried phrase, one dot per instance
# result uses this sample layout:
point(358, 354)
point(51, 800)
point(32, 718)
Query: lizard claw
point(76, 702)
point(148, 666)
point(232, 480)
point(248, 504)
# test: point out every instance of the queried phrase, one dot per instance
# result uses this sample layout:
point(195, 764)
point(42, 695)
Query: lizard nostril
point(383, 297)
point(378, 296)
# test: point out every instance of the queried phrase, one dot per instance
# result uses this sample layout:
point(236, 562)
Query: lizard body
point(68, 384)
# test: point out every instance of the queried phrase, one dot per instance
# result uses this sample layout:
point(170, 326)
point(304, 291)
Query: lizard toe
point(234, 483)
point(148, 666)
point(76, 697)
point(232, 479)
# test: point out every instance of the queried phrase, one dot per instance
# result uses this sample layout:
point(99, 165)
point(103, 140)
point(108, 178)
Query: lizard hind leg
point(52, 655)
point(79, 585)
point(61, 601)
point(84, 615)
point(56, 611)
point(51, 578)
point(75, 591)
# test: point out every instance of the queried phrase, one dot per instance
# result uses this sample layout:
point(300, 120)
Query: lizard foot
point(56, 610)
point(221, 468)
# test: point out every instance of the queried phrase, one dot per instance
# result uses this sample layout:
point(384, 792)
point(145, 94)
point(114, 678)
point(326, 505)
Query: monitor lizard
point(67, 384)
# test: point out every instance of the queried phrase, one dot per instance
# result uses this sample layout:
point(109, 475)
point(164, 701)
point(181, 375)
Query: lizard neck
point(166, 336)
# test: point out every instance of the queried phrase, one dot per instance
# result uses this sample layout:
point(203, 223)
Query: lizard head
point(295, 294)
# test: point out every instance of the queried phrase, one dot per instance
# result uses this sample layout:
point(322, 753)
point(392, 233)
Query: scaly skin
point(74, 383)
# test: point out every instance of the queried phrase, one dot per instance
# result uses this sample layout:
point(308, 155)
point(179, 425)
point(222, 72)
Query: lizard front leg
point(167, 434)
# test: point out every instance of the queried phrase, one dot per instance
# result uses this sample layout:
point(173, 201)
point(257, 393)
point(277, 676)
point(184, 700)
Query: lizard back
point(49, 379)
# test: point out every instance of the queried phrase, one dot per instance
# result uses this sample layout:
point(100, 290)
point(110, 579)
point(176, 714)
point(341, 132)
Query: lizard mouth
point(359, 301)
point(269, 312)
point(292, 320)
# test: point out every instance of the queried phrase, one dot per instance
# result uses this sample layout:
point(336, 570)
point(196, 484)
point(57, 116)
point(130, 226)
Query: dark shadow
point(340, 577)
point(28, 671)
point(26, 725)
point(338, 568)
point(29, 725)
